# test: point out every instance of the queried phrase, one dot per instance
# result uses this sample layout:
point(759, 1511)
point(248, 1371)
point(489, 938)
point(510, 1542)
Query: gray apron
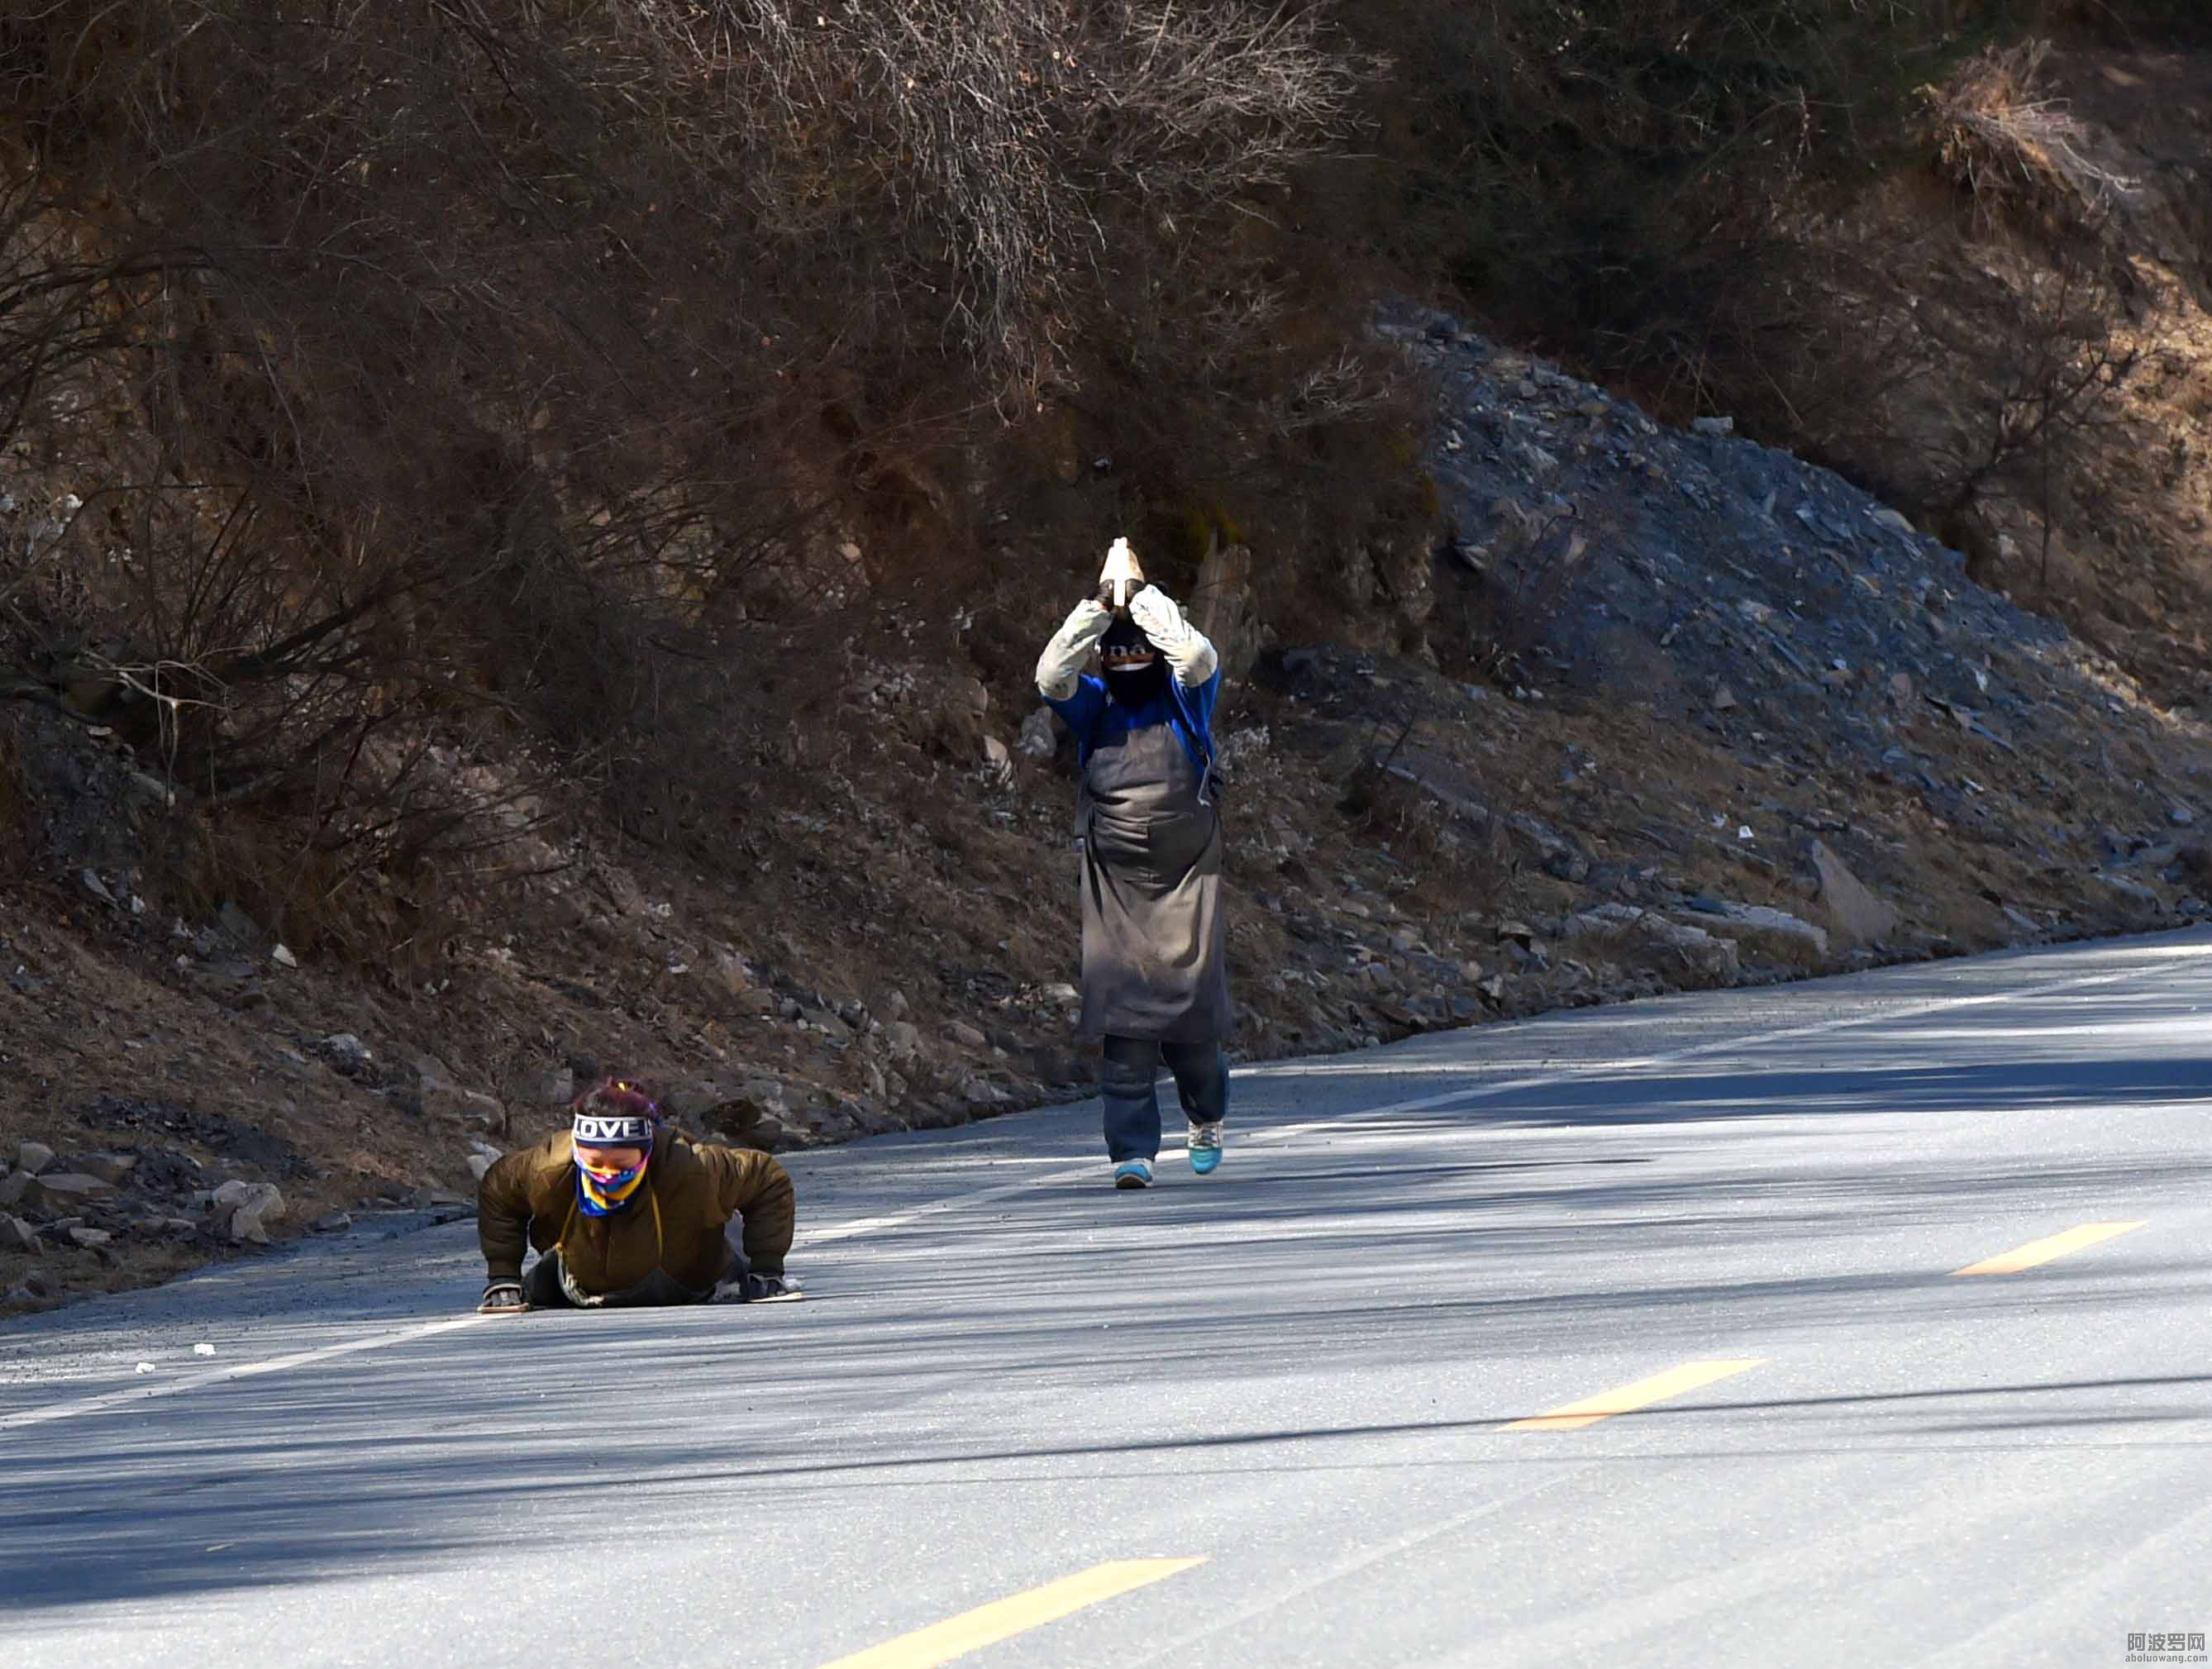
point(1155, 942)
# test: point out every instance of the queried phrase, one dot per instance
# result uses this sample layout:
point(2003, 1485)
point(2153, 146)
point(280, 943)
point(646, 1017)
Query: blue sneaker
point(1132, 1174)
point(1205, 1147)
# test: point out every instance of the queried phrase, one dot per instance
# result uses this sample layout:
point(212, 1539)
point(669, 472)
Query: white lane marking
point(858, 1226)
point(1280, 1132)
point(1273, 1601)
point(242, 1370)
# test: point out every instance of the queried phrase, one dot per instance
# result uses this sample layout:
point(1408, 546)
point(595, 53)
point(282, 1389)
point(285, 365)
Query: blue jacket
point(1096, 718)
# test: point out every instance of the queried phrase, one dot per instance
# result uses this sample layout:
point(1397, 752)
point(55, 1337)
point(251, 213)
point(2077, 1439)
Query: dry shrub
point(2018, 154)
point(1475, 865)
point(1008, 155)
point(1498, 606)
point(2132, 23)
point(506, 376)
point(389, 897)
point(2195, 861)
point(1961, 341)
point(1609, 179)
point(1421, 807)
point(65, 304)
point(1387, 807)
point(14, 804)
point(1645, 188)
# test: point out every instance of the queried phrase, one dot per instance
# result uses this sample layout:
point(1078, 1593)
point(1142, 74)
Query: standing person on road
point(627, 1212)
point(1155, 964)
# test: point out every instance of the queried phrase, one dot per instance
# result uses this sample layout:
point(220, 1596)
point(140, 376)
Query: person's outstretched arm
point(752, 1182)
point(1188, 651)
point(1058, 670)
point(503, 1229)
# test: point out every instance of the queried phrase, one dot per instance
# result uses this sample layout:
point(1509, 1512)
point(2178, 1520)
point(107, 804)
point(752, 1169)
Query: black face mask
point(1134, 689)
point(1133, 686)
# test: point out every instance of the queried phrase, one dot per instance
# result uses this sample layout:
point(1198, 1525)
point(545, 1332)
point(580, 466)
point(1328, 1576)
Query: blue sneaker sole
point(1132, 1180)
point(1204, 1161)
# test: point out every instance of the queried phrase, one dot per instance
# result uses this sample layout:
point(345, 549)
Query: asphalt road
point(1635, 1336)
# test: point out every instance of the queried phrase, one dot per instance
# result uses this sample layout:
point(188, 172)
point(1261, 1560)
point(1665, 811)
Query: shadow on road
point(1628, 1205)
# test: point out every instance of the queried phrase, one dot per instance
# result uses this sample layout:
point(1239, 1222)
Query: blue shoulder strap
point(1197, 741)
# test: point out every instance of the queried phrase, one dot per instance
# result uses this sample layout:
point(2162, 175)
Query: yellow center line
point(1627, 1399)
point(970, 1631)
point(2043, 1251)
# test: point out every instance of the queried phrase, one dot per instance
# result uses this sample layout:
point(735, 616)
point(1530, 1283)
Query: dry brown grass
point(15, 806)
point(2016, 148)
point(492, 382)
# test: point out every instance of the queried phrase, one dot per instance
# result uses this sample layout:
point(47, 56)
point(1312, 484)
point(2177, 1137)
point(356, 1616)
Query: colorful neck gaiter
point(602, 1198)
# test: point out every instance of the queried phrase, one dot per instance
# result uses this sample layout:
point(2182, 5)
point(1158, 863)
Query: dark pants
point(1132, 1104)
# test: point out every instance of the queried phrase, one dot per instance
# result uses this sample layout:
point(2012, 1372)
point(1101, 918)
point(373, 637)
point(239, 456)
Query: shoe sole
point(1208, 1164)
point(1132, 1182)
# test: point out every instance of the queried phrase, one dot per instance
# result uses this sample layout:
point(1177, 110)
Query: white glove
point(1181, 644)
point(1057, 669)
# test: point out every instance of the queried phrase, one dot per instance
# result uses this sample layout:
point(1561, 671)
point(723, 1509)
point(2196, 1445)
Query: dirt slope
point(1663, 710)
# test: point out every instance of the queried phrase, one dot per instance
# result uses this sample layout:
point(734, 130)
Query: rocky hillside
point(1667, 710)
point(373, 771)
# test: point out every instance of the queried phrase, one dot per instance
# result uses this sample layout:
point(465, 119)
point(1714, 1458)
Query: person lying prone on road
point(627, 1212)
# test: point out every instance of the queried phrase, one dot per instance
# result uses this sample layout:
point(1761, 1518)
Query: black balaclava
point(1135, 673)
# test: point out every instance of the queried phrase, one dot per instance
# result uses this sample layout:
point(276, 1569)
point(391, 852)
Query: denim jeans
point(1133, 1102)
